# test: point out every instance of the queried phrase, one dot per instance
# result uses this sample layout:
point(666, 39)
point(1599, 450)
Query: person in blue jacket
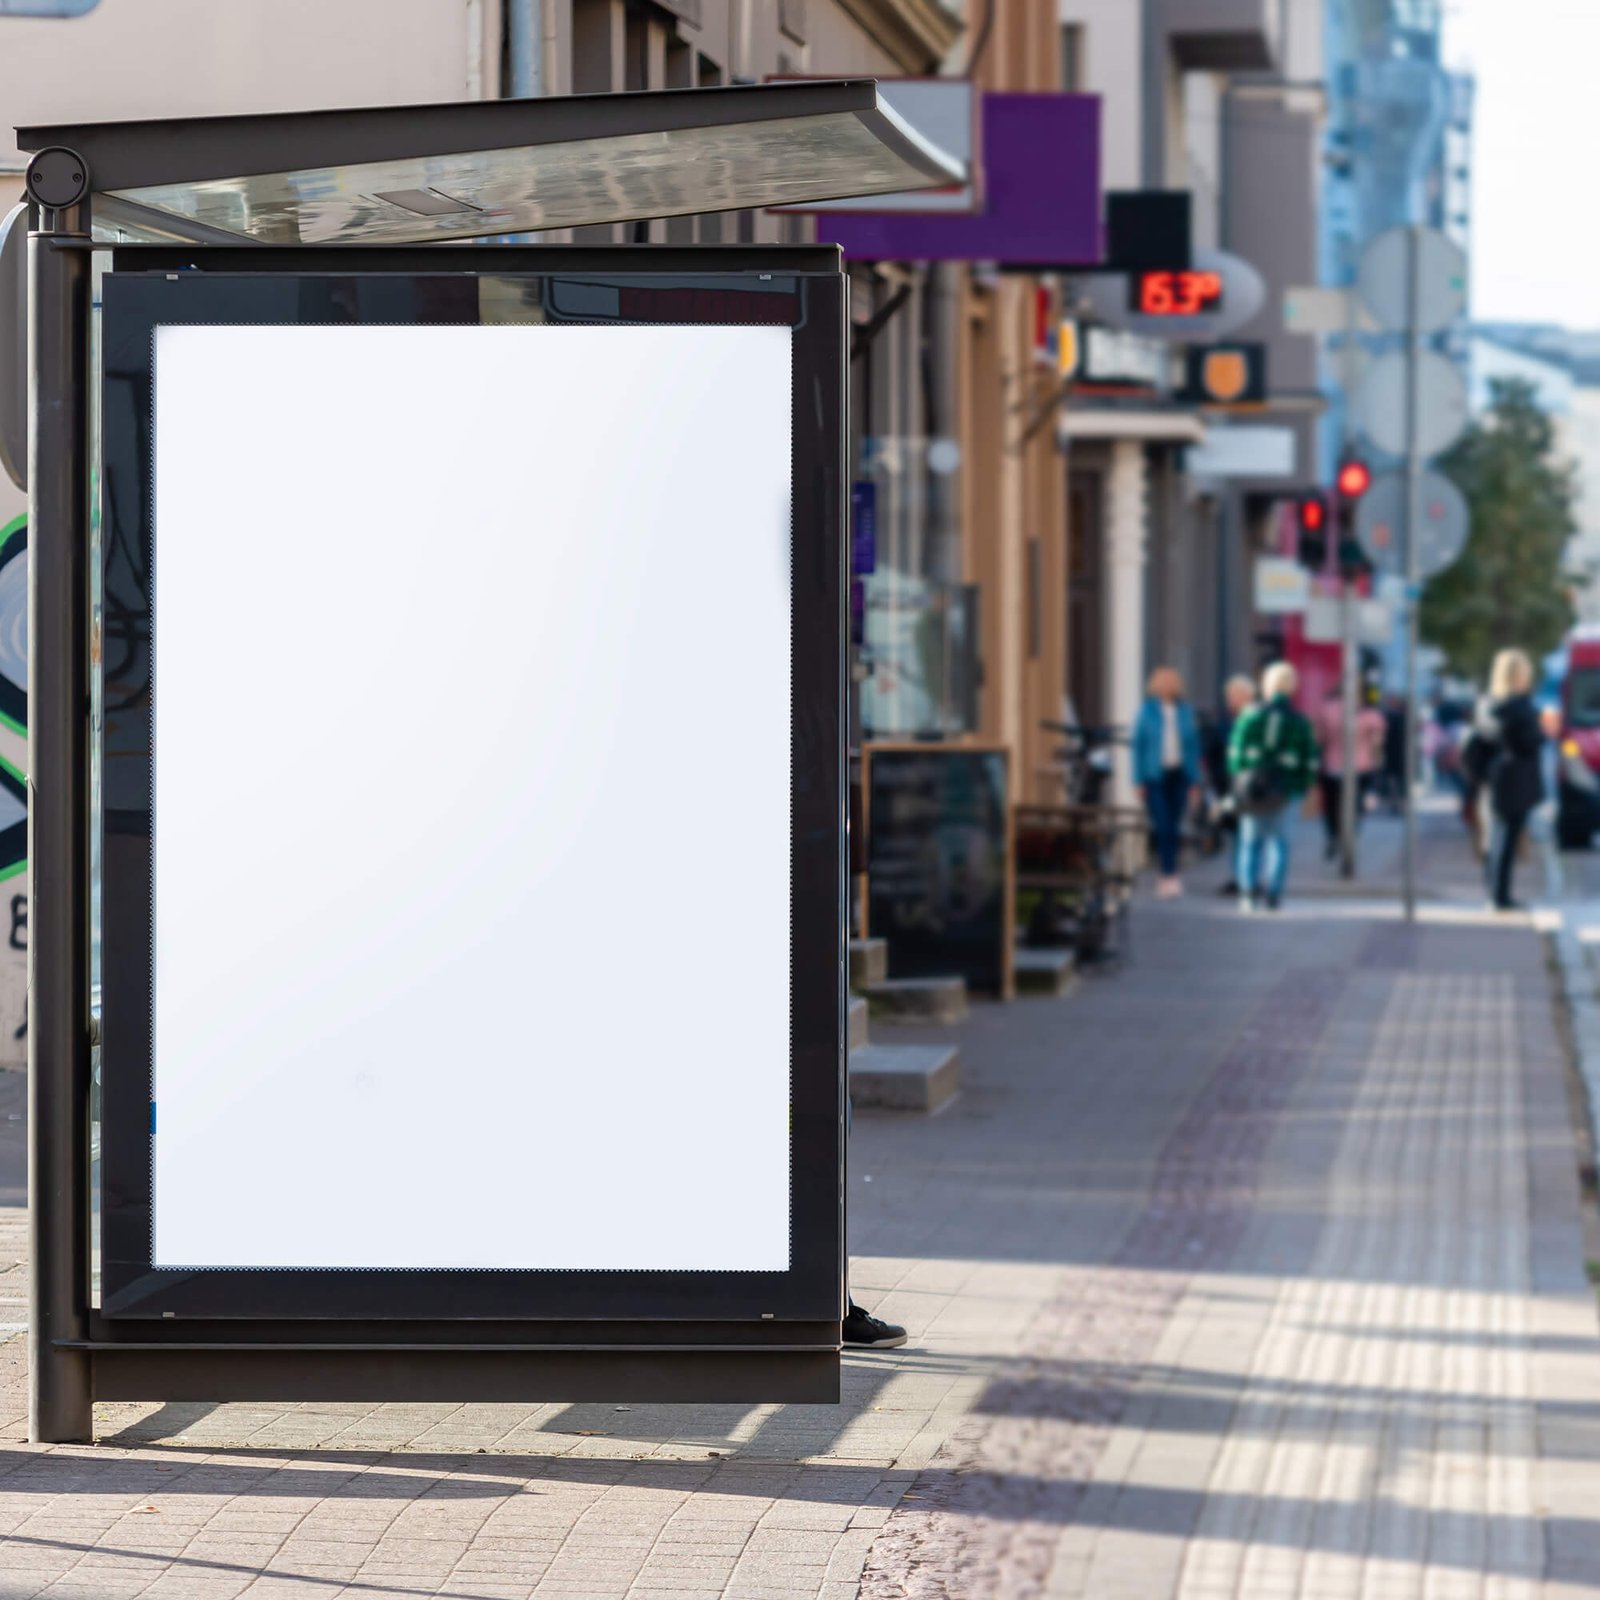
point(1166, 767)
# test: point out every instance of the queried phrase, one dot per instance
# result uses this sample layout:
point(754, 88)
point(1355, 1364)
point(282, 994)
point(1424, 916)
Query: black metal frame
point(60, 1374)
point(662, 1335)
point(191, 150)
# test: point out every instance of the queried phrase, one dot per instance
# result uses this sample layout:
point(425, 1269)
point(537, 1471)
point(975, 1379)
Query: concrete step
point(857, 1034)
point(869, 962)
point(918, 1000)
point(904, 1077)
point(1047, 972)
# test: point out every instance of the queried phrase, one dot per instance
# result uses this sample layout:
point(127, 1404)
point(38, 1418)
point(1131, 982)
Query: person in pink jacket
point(1370, 730)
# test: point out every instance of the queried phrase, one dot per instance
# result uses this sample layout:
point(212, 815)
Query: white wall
point(1578, 435)
point(13, 502)
point(174, 58)
point(1112, 69)
point(1202, 149)
point(1305, 43)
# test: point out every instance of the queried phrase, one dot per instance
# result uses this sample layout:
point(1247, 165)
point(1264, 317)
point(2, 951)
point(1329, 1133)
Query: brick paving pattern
point(1253, 1269)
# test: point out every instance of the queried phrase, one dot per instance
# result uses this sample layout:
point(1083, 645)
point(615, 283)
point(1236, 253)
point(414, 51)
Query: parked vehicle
point(1578, 754)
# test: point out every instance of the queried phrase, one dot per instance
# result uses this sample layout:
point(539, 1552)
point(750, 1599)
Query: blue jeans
point(1264, 852)
point(1167, 799)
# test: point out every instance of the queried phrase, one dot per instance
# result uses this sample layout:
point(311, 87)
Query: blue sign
point(46, 8)
point(863, 528)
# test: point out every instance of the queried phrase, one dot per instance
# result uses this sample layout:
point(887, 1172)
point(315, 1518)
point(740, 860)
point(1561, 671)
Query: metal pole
point(1413, 522)
point(1351, 658)
point(525, 29)
point(60, 1400)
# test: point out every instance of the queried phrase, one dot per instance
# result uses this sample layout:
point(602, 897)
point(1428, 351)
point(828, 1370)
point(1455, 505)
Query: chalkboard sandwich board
point(939, 862)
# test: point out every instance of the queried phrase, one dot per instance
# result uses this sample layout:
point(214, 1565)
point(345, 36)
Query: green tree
point(1510, 586)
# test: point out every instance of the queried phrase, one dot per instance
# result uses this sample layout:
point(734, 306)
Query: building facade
point(1397, 151)
point(1036, 545)
point(1223, 102)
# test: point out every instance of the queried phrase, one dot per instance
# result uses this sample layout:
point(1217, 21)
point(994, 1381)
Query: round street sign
point(1385, 277)
point(1441, 536)
point(1382, 399)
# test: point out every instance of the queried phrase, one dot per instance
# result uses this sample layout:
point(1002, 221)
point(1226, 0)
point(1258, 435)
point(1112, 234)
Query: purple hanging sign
point(1041, 165)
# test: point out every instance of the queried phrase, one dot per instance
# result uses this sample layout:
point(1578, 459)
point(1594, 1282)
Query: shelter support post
point(61, 1395)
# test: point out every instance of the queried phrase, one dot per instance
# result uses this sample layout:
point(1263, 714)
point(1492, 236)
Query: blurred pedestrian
point(1238, 695)
point(1396, 729)
point(1273, 759)
point(1166, 767)
point(1507, 723)
point(1550, 724)
point(1369, 739)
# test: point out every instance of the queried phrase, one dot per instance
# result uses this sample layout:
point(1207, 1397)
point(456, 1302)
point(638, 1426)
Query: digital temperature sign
point(1175, 294)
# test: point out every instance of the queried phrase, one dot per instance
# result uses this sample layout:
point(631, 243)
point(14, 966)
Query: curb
point(1577, 981)
point(1577, 986)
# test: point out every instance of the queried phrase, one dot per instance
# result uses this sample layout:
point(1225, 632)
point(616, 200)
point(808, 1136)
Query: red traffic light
point(1313, 513)
point(1355, 478)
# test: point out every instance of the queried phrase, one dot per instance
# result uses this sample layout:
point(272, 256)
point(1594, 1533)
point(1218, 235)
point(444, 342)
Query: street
point(1254, 1267)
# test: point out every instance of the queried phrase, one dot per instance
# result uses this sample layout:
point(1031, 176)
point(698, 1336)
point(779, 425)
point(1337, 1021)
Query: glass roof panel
point(396, 175)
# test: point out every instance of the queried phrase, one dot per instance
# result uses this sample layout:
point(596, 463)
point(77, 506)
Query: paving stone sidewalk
point(1255, 1268)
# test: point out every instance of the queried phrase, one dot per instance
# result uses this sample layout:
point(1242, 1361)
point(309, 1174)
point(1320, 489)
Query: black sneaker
point(862, 1328)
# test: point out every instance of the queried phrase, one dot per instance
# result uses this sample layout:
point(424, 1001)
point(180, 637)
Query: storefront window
point(916, 622)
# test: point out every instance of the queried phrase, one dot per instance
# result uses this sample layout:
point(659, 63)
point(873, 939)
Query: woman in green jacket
point(1273, 760)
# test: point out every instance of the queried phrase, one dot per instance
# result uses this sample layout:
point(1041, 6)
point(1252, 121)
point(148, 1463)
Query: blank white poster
point(471, 836)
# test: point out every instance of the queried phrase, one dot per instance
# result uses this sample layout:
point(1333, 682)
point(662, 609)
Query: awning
point(1148, 424)
point(397, 175)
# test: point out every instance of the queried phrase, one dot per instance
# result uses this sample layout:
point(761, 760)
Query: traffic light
point(1311, 513)
point(1353, 480)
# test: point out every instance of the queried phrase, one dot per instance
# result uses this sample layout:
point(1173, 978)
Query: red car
point(1578, 762)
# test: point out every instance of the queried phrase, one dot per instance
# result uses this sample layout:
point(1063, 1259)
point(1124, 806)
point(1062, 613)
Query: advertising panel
point(427, 603)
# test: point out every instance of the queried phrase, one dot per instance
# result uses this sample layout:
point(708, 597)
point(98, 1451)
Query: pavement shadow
point(274, 1474)
point(1493, 1544)
point(165, 1566)
point(1224, 1404)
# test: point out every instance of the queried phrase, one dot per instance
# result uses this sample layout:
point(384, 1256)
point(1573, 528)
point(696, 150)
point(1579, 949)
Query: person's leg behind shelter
point(860, 1327)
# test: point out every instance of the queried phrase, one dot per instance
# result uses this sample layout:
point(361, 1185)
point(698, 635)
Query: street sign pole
point(1413, 524)
point(1348, 794)
point(1350, 661)
point(1413, 403)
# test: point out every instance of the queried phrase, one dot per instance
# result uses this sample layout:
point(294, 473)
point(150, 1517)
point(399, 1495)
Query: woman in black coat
point(1508, 722)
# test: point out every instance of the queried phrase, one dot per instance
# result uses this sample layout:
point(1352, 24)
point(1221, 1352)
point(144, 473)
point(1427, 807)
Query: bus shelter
point(468, 609)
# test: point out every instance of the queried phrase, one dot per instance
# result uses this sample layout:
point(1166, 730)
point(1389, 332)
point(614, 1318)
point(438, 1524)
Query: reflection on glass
point(918, 621)
point(678, 172)
point(1583, 697)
